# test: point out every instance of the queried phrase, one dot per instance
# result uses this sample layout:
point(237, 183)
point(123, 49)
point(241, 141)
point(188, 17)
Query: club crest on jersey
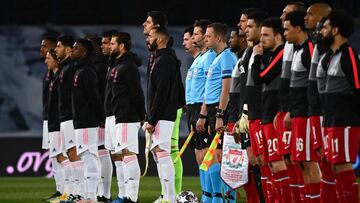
point(115, 75)
point(61, 76)
point(113, 70)
point(47, 76)
point(76, 80)
point(51, 86)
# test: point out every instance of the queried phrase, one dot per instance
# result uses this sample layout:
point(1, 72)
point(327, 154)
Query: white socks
point(106, 173)
point(56, 168)
point(78, 174)
point(91, 174)
point(120, 178)
point(131, 176)
point(68, 177)
point(167, 174)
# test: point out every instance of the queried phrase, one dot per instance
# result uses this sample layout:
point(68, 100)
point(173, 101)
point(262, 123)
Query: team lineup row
point(286, 89)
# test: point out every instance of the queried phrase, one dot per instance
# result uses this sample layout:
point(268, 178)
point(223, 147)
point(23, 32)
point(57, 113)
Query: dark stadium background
point(132, 12)
point(23, 22)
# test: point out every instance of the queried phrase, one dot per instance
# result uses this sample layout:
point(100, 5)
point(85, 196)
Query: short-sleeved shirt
point(199, 75)
point(188, 80)
point(220, 68)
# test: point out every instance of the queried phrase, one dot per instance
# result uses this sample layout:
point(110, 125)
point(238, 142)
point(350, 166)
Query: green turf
point(34, 189)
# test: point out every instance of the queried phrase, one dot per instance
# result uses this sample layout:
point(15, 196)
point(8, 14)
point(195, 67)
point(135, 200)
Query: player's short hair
point(162, 31)
point(343, 21)
point(49, 38)
point(296, 18)
point(109, 33)
point(87, 45)
point(123, 38)
point(258, 16)
point(236, 30)
point(203, 23)
point(66, 40)
point(158, 18)
point(274, 23)
point(96, 40)
point(299, 6)
point(220, 29)
point(247, 11)
point(189, 30)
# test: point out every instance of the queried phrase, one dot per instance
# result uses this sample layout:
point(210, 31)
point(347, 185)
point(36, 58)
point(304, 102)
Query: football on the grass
point(186, 197)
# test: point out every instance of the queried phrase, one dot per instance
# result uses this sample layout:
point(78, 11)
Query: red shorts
point(302, 141)
point(284, 135)
point(256, 138)
point(325, 150)
point(316, 132)
point(265, 154)
point(344, 144)
point(272, 142)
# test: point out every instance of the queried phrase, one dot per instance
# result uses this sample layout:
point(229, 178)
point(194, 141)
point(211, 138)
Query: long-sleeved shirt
point(266, 70)
point(45, 93)
point(299, 80)
point(65, 87)
point(128, 102)
point(87, 107)
point(53, 104)
point(254, 93)
point(342, 87)
point(163, 90)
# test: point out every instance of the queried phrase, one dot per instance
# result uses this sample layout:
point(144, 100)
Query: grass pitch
point(34, 189)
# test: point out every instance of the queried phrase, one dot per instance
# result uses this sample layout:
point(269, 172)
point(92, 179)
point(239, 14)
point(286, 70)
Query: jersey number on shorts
point(272, 145)
point(286, 137)
point(299, 144)
point(335, 145)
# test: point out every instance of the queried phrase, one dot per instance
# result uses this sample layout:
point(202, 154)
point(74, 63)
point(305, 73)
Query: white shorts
point(110, 133)
point(67, 134)
point(162, 135)
point(86, 139)
point(56, 145)
point(101, 137)
point(45, 135)
point(127, 137)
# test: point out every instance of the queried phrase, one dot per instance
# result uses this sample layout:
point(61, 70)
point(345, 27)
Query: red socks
point(328, 184)
point(276, 188)
point(293, 182)
point(263, 181)
point(250, 190)
point(270, 187)
point(314, 192)
point(300, 182)
point(349, 189)
point(282, 178)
